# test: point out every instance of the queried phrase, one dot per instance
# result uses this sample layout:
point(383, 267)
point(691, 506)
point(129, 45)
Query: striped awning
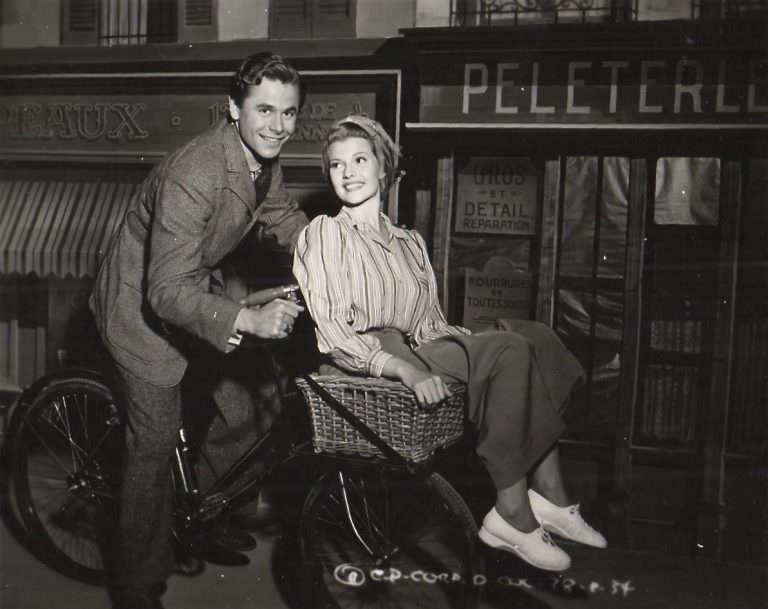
point(58, 228)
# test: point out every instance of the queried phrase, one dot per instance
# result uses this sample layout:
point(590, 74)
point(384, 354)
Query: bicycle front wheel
point(387, 539)
point(67, 447)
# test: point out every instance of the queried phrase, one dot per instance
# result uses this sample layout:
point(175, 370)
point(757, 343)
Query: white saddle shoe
point(564, 521)
point(536, 548)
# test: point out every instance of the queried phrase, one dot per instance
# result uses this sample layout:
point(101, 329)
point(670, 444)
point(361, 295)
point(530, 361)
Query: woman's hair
point(259, 66)
point(386, 151)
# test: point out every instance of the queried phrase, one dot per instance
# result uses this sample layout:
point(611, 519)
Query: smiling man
point(159, 295)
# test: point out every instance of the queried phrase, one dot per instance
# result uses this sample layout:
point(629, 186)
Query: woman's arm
point(319, 269)
point(428, 387)
point(434, 325)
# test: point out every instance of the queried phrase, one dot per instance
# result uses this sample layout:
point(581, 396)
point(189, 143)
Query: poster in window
point(489, 296)
point(497, 195)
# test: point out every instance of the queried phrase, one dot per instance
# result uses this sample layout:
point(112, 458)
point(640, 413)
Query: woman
point(371, 291)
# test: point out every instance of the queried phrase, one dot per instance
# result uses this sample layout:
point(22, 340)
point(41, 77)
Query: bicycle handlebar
point(288, 291)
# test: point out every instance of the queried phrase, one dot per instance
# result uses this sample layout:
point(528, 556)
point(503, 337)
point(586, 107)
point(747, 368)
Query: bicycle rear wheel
point(386, 539)
point(67, 444)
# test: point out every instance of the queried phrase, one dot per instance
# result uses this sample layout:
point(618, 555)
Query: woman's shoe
point(564, 521)
point(535, 548)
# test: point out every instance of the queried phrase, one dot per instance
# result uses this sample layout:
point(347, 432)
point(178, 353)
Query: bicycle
point(375, 528)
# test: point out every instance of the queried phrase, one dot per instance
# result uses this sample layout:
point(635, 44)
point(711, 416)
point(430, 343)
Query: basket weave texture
point(389, 409)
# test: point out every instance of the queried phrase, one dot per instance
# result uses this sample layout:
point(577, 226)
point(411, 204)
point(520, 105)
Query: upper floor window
point(517, 12)
point(312, 18)
point(116, 22)
point(483, 13)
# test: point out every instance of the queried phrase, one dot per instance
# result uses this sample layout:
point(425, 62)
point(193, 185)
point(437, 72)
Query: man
point(158, 292)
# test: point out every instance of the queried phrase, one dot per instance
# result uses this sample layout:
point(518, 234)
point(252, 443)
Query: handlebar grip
point(261, 297)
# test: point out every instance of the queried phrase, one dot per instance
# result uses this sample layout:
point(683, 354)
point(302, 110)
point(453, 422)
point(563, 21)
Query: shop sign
point(497, 195)
point(491, 296)
point(621, 88)
point(147, 124)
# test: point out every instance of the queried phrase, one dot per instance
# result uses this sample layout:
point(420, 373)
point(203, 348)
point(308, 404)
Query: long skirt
point(518, 383)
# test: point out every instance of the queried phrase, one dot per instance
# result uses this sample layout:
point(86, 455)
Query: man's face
point(267, 117)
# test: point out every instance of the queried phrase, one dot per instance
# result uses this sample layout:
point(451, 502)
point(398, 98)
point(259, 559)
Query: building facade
point(598, 166)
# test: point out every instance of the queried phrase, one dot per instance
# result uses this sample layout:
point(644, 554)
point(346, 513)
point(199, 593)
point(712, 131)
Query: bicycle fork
point(185, 471)
point(381, 555)
point(194, 505)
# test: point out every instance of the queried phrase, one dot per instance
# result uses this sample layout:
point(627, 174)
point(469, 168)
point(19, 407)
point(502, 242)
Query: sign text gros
point(497, 195)
point(615, 86)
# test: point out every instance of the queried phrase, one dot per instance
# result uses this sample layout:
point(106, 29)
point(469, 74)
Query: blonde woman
point(371, 291)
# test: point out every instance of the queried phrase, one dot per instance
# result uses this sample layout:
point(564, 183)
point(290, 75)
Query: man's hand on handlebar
point(288, 292)
point(269, 313)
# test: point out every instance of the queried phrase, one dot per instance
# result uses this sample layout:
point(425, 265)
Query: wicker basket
point(389, 409)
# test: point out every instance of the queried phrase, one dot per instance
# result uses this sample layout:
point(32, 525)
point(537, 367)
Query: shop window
point(687, 191)
point(679, 309)
point(494, 227)
point(748, 419)
point(491, 13)
point(593, 205)
point(312, 18)
point(119, 22)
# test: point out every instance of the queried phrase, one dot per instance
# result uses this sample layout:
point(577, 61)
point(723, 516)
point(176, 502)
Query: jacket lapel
point(238, 175)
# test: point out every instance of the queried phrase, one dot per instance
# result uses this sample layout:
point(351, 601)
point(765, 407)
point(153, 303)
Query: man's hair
point(259, 66)
point(386, 151)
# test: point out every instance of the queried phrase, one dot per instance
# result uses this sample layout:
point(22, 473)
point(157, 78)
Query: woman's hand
point(273, 320)
point(428, 387)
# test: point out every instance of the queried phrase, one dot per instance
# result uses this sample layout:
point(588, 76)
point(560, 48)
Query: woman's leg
point(547, 479)
point(558, 368)
point(507, 402)
point(513, 506)
point(512, 503)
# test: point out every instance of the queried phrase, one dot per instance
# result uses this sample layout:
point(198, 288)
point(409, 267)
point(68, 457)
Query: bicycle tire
point(67, 443)
point(414, 543)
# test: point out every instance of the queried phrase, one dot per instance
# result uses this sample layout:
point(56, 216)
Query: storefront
point(79, 133)
point(610, 180)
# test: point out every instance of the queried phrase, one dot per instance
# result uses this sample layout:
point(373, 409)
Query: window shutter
point(79, 22)
point(334, 18)
point(198, 20)
point(162, 20)
point(290, 19)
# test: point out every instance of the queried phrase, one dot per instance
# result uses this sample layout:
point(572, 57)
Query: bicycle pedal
point(189, 566)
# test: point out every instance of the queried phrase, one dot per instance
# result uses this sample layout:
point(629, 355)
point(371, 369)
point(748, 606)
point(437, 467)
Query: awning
point(58, 228)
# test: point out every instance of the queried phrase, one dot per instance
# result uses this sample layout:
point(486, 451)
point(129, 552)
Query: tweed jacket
point(156, 283)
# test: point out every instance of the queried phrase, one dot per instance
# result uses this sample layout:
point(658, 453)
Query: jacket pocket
point(133, 328)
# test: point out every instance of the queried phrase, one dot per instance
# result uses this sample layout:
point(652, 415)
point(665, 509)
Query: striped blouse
point(354, 280)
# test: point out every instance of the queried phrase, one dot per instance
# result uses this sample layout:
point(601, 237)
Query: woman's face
point(354, 171)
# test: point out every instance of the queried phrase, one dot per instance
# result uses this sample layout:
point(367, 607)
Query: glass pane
point(577, 249)
point(496, 215)
point(668, 406)
point(494, 256)
point(613, 218)
point(590, 313)
point(574, 317)
point(687, 191)
point(748, 417)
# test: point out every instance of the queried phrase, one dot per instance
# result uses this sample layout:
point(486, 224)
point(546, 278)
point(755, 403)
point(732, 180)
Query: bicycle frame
point(382, 505)
point(226, 494)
